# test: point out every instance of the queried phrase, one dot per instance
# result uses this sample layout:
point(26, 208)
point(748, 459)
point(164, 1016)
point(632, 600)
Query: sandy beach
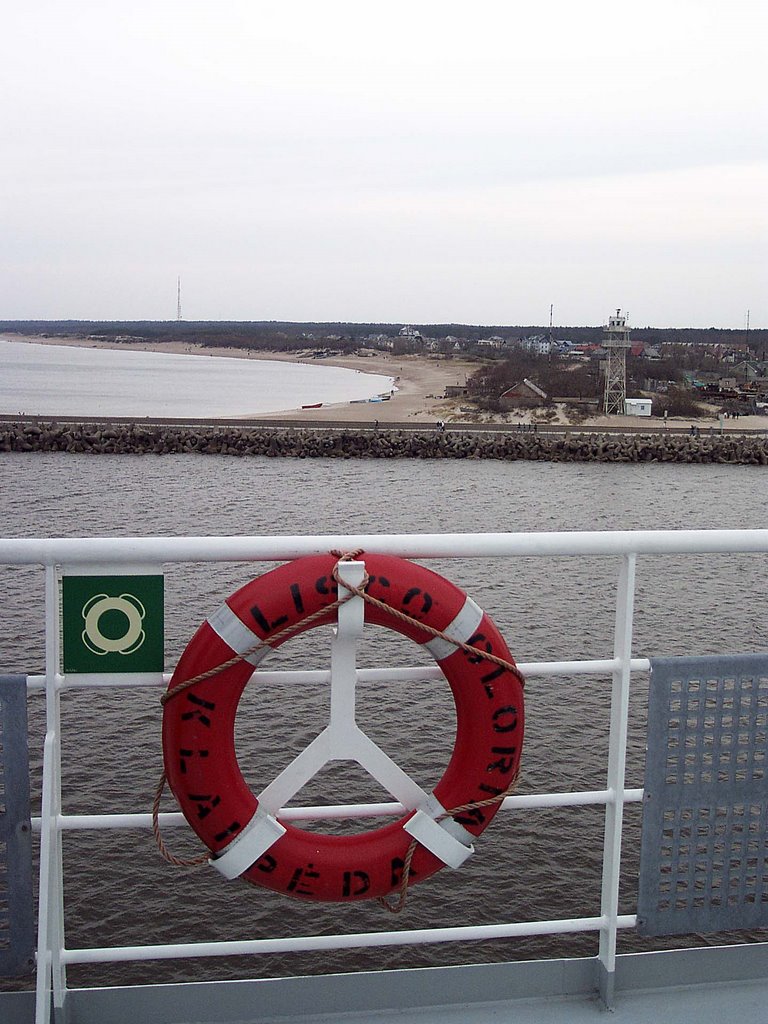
point(420, 381)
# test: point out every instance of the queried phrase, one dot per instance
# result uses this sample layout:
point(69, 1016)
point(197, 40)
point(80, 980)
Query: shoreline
point(420, 379)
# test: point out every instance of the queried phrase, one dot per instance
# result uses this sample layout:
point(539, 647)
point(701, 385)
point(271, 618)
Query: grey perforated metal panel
point(17, 939)
point(703, 863)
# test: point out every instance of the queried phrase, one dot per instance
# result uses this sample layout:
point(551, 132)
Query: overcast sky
point(425, 161)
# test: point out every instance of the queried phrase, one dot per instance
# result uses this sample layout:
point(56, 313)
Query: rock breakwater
point(138, 439)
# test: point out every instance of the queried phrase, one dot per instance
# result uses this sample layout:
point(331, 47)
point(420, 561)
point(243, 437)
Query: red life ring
point(198, 725)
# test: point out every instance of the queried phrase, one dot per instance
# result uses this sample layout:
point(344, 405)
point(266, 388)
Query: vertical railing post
point(350, 617)
point(617, 757)
point(51, 972)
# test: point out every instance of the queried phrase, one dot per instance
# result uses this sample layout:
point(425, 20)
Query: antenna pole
point(746, 339)
point(178, 298)
point(551, 310)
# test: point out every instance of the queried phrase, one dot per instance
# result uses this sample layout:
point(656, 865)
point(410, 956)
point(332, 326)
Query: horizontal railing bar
point(53, 551)
point(130, 552)
point(174, 819)
point(585, 798)
point(597, 667)
point(311, 677)
point(359, 940)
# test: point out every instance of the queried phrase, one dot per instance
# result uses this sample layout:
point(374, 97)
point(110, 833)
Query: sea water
point(529, 864)
point(61, 380)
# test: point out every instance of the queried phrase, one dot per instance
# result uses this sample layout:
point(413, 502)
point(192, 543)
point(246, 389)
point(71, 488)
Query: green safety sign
point(112, 624)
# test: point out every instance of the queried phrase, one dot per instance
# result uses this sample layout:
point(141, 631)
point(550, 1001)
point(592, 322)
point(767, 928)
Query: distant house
point(456, 391)
point(538, 344)
point(746, 370)
point(589, 350)
point(409, 332)
point(524, 395)
point(640, 350)
point(454, 343)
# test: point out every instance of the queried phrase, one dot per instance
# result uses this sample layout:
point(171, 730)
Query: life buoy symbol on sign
point(133, 636)
point(242, 830)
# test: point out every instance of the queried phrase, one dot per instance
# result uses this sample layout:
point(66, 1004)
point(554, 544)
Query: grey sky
point(415, 161)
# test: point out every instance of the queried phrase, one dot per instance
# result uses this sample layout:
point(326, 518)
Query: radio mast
point(746, 338)
point(549, 347)
point(178, 298)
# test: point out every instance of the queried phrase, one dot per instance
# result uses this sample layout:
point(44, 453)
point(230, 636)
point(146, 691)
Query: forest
point(286, 336)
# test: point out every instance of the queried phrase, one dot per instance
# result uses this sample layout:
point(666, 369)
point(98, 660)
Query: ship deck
point(708, 984)
point(706, 763)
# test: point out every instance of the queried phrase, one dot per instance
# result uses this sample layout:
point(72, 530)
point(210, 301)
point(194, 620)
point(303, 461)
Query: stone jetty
point(381, 443)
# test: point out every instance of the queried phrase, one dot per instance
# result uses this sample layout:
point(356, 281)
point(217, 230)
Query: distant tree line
point(287, 336)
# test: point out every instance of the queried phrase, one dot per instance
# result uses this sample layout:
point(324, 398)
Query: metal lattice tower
point(616, 342)
point(178, 298)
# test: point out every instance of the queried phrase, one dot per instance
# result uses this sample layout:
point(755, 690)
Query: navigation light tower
point(616, 342)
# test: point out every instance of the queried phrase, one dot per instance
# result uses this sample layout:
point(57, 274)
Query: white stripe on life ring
point(462, 628)
point(438, 839)
point(235, 634)
point(261, 832)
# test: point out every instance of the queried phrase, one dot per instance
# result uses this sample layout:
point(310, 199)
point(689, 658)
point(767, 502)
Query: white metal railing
point(53, 956)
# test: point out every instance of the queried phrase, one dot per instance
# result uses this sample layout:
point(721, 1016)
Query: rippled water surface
point(528, 865)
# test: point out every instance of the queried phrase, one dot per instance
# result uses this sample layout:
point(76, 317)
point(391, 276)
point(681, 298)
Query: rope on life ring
point(242, 831)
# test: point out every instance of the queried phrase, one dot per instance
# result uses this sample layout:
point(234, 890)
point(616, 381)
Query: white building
point(637, 406)
point(538, 344)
